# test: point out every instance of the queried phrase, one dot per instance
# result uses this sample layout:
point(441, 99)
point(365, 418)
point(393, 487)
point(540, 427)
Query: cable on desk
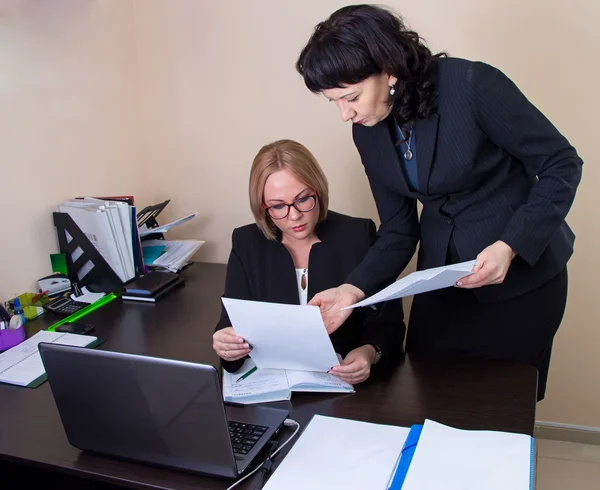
point(267, 461)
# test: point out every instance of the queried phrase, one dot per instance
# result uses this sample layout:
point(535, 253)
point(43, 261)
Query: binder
point(435, 454)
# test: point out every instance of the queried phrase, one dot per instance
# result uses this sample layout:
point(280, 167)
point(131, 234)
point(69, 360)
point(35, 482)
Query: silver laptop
point(158, 411)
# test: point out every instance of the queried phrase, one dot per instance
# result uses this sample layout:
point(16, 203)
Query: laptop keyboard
point(244, 436)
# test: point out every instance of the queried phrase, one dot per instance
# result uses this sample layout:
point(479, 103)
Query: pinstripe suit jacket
point(490, 167)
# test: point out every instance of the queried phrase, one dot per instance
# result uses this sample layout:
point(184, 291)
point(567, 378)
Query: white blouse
point(302, 292)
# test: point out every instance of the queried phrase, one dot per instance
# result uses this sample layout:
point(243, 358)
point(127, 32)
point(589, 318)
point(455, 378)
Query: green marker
point(84, 311)
point(244, 376)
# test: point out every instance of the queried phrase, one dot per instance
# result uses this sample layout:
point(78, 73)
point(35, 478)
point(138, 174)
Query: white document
point(161, 229)
point(420, 282)
point(449, 459)
point(22, 365)
point(283, 336)
point(340, 454)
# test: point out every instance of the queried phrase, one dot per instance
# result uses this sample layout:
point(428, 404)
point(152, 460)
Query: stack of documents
point(108, 226)
point(171, 255)
point(22, 365)
point(250, 385)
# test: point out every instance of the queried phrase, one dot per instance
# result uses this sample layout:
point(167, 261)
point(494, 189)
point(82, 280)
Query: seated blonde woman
point(297, 248)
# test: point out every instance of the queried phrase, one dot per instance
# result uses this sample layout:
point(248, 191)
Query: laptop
point(158, 411)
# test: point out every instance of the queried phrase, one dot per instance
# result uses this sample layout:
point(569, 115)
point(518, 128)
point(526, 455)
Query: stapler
point(54, 284)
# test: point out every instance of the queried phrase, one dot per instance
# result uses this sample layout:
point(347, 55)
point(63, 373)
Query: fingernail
point(246, 346)
point(459, 283)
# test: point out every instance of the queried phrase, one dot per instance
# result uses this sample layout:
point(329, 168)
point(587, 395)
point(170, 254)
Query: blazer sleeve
point(397, 237)
point(236, 286)
point(518, 127)
point(384, 326)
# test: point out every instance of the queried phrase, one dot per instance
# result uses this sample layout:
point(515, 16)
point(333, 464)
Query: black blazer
point(260, 269)
point(490, 167)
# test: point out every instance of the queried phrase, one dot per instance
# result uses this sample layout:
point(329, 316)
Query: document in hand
point(283, 336)
point(446, 457)
point(340, 454)
point(270, 385)
point(420, 282)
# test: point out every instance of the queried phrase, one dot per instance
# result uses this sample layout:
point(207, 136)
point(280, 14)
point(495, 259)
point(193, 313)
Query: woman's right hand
point(229, 346)
point(331, 301)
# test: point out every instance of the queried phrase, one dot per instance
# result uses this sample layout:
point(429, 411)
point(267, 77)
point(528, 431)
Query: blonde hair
point(292, 156)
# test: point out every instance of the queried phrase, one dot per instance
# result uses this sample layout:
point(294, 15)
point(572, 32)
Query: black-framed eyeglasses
point(303, 204)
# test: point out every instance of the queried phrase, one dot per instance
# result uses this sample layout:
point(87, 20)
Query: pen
point(244, 376)
point(37, 297)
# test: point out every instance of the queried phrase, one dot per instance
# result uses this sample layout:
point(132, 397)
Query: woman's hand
point(490, 266)
point(332, 300)
point(229, 346)
point(356, 367)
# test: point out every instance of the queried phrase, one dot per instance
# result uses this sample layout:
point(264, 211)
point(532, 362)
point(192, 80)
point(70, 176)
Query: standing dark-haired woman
point(495, 177)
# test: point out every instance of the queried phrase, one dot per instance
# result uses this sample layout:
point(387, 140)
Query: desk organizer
point(10, 338)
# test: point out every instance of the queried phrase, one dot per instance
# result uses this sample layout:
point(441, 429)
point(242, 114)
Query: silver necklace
point(408, 154)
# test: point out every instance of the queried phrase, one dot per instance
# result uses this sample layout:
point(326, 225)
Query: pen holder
point(10, 338)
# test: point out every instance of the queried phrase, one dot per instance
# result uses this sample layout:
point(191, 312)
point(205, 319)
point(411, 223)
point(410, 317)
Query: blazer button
point(450, 221)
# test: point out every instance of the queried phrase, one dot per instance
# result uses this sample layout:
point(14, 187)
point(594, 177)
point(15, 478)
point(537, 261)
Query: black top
point(491, 167)
point(260, 269)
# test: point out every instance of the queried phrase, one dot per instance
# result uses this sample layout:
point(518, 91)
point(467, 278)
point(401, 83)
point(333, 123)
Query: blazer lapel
point(384, 151)
point(425, 140)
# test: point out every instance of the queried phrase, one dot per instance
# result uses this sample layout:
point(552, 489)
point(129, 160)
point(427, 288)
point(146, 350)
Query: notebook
point(22, 364)
point(150, 284)
point(270, 385)
point(161, 293)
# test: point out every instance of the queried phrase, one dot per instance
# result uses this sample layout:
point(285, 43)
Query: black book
point(153, 299)
point(150, 284)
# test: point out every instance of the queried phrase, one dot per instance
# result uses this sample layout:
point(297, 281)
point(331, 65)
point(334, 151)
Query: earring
point(392, 90)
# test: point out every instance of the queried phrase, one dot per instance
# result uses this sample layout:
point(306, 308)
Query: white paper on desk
point(283, 336)
point(340, 454)
point(453, 459)
point(420, 282)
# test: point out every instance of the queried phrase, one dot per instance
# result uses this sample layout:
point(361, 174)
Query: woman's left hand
point(356, 366)
point(490, 266)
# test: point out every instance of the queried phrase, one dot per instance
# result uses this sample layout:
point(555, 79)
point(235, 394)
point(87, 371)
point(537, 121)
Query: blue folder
point(408, 450)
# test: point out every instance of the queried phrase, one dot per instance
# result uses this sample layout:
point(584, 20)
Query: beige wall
point(69, 121)
point(186, 92)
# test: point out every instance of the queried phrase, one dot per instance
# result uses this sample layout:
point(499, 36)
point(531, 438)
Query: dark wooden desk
point(461, 393)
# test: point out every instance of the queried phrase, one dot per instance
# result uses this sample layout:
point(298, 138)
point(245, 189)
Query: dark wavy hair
point(359, 41)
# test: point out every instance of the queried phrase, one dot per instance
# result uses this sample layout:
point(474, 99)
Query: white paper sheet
point(420, 282)
point(283, 336)
point(340, 454)
point(453, 459)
